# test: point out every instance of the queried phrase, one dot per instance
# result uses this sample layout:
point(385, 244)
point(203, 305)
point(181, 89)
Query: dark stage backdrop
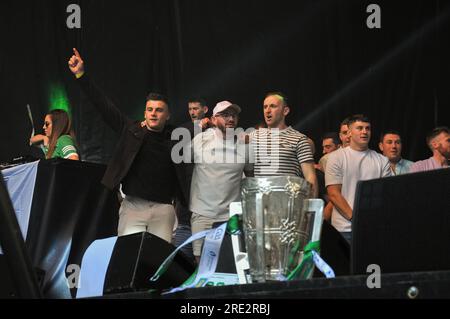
point(320, 53)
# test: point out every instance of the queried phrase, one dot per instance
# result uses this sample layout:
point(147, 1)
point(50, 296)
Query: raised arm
point(110, 113)
point(76, 64)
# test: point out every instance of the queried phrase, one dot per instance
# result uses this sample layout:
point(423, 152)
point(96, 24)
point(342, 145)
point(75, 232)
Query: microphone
point(30, 116)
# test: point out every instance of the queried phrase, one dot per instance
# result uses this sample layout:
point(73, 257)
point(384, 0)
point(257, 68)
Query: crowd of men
point(164, 193)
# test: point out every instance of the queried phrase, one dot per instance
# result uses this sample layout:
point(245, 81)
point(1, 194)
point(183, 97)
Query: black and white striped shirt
point(279, 152)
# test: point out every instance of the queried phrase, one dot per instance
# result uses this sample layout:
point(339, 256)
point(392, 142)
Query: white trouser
point(138, 215)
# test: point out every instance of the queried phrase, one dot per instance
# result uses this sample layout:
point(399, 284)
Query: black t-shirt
point(152, 175)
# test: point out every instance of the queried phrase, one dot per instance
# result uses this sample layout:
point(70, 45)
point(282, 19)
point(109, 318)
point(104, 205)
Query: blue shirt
point(402, 167)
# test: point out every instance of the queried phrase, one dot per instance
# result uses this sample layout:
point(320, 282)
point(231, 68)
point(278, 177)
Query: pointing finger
point(77, 54)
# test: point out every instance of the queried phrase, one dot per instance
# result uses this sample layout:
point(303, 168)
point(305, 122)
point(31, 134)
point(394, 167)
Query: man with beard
point(219, 161)
point(439, 142)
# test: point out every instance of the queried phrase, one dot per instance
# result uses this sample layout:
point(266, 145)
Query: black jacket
point(130, 140)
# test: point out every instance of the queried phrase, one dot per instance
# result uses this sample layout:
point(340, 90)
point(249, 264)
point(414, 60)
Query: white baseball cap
point(222, 106)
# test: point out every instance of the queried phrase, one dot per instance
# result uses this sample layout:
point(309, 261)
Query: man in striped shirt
point(279, 149)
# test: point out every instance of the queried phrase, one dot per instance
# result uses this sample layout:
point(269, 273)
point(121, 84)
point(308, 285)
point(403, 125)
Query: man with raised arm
point(141, 161)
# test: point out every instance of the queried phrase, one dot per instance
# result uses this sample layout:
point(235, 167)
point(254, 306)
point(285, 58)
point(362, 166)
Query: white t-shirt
point(346, 166)
point(218, 171)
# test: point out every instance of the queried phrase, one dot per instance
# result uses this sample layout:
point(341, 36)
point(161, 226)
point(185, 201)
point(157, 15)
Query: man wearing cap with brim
point(219, 163)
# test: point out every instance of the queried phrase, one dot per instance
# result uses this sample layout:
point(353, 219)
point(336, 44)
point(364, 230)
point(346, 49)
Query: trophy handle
point(315, 206)
point(240, 255)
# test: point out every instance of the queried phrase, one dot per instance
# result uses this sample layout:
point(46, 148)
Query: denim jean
point(182, 233)
point(347, 236)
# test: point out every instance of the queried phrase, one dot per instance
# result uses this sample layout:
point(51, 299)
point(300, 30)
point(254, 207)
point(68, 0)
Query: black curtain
point(319, 52)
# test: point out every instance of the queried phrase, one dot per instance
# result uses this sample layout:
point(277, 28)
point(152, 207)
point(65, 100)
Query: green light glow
point(58, 98)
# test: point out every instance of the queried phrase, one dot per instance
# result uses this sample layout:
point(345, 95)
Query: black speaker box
point(402, 223)
point(335, 250)
point(421, 285)
point(7, 288)
point(136, 258)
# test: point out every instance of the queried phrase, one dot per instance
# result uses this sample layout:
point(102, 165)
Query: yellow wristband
point(79, 75)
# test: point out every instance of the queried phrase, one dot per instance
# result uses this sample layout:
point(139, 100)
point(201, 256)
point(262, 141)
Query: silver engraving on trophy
point(279, 219)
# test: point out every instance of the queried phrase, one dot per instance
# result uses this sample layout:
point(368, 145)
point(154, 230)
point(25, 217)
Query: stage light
point(58, 98)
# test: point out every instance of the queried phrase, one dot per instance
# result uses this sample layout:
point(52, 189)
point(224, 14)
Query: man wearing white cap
point(220, 159)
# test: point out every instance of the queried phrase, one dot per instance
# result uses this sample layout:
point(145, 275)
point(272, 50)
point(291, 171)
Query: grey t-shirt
point(346, 167)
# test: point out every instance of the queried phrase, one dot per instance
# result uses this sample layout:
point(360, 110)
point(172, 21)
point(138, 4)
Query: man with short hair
point(141, 162)
point(344, 132)
point(279, 149)
point(438, 140)
point(219, 161)
point(330, 142)
point(197, 109)
point(391, 146)
point(344, 142)
point(346, 167)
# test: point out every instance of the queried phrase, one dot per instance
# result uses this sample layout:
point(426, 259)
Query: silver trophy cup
point(279, 219)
